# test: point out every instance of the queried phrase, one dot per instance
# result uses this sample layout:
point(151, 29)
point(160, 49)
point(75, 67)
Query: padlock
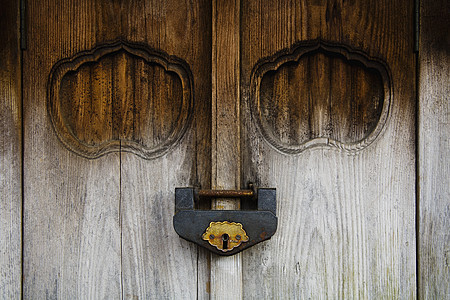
point(225, 232)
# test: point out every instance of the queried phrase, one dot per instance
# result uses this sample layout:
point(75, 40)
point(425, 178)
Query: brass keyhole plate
point(225, 236)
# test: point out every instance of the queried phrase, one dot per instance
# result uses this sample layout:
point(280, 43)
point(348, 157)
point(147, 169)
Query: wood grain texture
point(10, 153)
point(317, 93)
point(120, 96)
point(346, 222)
point(226, 272)
point(71, 204)
point(434, 151)
point(157, 263)
point(101, 228)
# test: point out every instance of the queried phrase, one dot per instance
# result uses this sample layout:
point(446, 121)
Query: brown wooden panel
point(346, 218)
point(102, 227)
point(320, 94)
point(10, 153)
point(434, 150)
point(120, 96)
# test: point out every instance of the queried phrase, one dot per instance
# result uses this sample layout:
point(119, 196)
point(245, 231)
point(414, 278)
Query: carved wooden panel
point(120, 96)
point(317, 93)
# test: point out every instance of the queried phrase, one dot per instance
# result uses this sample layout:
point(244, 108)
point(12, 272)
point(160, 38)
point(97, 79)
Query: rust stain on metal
point(263, 235)
point(226, 193)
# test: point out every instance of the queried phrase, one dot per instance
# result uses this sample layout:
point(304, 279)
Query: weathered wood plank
point(434, 151)
point(226, 272)
point(102, 228)
point(346, 217)
point(11, 153)
point(72, 204)
point(157, 263)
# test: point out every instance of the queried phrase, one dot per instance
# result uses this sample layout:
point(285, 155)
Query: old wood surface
point(10, 151)
point(226, 272)
point(332, 128)
point(100, 226)
point(346, 215)
point(157, 264)
point(434, 151)
point(72, 234)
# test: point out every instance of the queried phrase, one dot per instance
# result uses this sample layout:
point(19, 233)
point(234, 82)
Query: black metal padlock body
point(194, 225)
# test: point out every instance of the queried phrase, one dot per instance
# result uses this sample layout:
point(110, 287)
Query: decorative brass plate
point(225, 236)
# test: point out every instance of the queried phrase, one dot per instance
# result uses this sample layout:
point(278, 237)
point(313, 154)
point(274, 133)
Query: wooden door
point(117, 114)
point(328, 91)
point(125, 100)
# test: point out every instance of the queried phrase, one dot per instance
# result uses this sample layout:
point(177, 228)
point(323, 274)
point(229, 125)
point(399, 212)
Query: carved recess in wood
point(320, 94)
point(120, 96)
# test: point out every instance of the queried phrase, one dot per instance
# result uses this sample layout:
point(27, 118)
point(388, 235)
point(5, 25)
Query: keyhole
point(225, 238)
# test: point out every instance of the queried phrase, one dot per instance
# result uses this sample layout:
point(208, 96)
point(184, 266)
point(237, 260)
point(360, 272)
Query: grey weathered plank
point(346, 218)
point(226, 272)
point(71, 204)
point(10, 153)
point(71, 233)
point(157, 263)
point(434, 151)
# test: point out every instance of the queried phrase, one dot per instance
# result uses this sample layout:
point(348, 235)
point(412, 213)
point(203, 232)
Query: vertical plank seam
point(22, 147)
point(417, 152)
point(238, 177)
point(214, 80)
point(240, 114)
point(238, 98)
point(120, 218)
